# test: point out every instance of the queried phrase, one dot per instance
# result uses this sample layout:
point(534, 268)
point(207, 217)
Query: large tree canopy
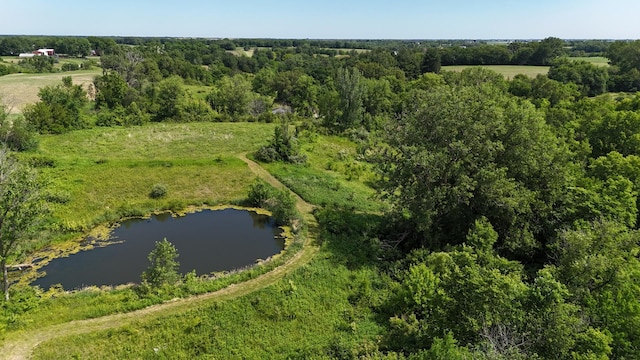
point(472, 151)
point(20, 208)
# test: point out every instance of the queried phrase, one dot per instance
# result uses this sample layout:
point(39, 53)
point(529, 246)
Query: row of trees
point(72, 46)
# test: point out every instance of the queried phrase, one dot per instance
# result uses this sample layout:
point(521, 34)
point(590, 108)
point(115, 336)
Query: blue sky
point(328, 19)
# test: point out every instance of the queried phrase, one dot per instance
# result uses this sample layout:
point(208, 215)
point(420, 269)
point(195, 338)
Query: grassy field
point(322, 309)
point(104, 173)
point(18, 90)
point(595, 60)
point(240, 51)
point(331, 176)
point(508, 71)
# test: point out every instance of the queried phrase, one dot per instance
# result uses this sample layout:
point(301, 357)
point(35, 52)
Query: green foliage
point(70, 67)
point(283, 207)
point(470, 151)
point(431, 61)
point(163, 269)
point(16, 134)
point(591, 79)
point(158, 191)
point(281, 203)
point(111, 91)
point(38, 64)
point(59, 108)
point(598, 262)
point(167, 100)
point(231, 96)
point(259, 193)
point(282, 147)
point(615, 131)
point(625, 72)
point(342, 108)
point(21, 204)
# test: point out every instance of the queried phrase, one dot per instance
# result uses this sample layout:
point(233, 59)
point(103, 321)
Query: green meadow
point(508, 71)
point(321, 309)
point(102, 174)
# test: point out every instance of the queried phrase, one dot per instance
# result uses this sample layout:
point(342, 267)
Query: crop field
point(508, 71)
point(18, 90)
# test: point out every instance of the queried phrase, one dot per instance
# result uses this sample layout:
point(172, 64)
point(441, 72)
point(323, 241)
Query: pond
point(207, 241)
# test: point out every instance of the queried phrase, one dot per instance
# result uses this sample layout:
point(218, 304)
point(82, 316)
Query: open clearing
point(595, 60)
point(508, 71)
point(18, 90)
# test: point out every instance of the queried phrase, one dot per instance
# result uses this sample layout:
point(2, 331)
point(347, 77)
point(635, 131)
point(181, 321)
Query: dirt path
point(19, 346)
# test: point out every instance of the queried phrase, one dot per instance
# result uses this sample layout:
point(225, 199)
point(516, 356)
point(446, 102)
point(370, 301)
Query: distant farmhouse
point(39, 52)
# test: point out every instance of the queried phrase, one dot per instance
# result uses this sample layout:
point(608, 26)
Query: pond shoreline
point(100, 237)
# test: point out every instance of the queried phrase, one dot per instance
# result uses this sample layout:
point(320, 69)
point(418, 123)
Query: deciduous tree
point(163, 269)
point(20, 209)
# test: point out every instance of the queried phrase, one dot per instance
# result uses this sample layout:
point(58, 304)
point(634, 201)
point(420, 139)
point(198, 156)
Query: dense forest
point(509, 221)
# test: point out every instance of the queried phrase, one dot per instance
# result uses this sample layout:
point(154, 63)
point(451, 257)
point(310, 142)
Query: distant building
point(45, 52)
point(39, 52)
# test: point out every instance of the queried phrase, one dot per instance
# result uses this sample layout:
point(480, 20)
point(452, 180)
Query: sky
point(327, 19)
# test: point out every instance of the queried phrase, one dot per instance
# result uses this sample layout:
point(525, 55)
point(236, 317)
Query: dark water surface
point(206, 241)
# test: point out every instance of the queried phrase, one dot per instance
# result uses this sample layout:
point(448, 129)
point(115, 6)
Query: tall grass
point(103, 174)
point(334, 174)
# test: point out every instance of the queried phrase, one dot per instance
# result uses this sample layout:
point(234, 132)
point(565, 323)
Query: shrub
point(70, 67)
point(107, 117)
point(17, 135)
point(259, 193)
point(163, 269)
point(59, 108)
point(280, 202)
point(158, 191)
point(267, 154)
point(283, 207)
point(282, 147)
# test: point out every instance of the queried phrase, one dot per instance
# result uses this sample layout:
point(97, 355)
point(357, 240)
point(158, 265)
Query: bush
point(267, 154)
point(280, 202)
point(70, 67)
point(283, 207)
point(158, 191)
point(259, 193)
point(17, 135)
point(107, 117)
point(282, 147)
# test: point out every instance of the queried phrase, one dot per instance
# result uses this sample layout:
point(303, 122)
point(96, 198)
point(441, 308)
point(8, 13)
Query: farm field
point(595, 60)
point(508, 71)
point(18, 90)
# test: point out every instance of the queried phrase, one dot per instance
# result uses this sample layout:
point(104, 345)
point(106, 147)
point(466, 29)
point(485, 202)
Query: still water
point(206, 241)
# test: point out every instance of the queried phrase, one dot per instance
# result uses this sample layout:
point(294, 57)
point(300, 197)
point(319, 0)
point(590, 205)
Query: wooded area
point(510, 222)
